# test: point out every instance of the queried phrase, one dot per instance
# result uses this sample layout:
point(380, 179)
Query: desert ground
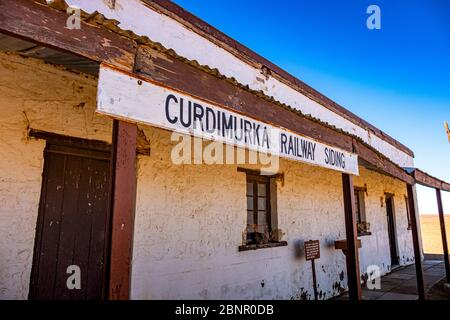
point(431, 232)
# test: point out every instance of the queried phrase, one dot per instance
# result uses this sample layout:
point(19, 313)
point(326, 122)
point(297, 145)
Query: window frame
point(255, 179)
point(360, 206)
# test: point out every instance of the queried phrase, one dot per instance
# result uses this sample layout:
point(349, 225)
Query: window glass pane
point(262, 223)
point(250, 221)
point(262, 189)
point(250, 203)
point(249, 188)
point(262, 203)
point(262, 217)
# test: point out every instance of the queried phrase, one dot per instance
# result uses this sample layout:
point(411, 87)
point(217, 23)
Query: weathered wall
point(375, 247)
point(39, 96)
point(190, 220)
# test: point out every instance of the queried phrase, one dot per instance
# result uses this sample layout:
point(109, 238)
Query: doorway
point(71, 251)
point(390, 212)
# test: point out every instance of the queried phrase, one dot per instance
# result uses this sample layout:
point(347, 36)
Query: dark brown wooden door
point(391, 230)
point(73, 224)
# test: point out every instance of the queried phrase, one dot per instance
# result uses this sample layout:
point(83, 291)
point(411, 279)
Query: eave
point(102, 40)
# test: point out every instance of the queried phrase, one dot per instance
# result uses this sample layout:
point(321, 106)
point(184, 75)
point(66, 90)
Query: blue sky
point(397, 78)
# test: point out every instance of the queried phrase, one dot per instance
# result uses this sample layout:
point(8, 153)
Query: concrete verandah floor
point(401, 283)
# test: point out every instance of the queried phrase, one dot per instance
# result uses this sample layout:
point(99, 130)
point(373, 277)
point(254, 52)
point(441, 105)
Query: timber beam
point(122, 208)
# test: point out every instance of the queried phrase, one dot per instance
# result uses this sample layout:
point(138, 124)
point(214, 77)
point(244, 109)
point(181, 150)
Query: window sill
point(364, 233)
point(248, 247)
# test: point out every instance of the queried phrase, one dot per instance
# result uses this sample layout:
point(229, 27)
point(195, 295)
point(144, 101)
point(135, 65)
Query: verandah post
point(123, 197)
point(416, 244)
point(352, 258)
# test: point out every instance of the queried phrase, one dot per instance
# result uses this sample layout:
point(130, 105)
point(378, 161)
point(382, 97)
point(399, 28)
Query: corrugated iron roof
point(99, 19)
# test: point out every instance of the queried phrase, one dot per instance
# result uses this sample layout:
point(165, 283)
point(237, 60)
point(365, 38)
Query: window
point(408, 214)
point(362, 225)
point(259, 226)
point(262, 220)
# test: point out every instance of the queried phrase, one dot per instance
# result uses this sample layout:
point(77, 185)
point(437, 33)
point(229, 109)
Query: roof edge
point(242, 52)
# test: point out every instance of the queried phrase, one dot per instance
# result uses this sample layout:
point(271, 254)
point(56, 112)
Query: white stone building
point(79, 188)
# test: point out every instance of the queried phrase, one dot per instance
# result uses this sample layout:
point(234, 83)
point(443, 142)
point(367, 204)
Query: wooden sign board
point(128, 98)
point(312, 250)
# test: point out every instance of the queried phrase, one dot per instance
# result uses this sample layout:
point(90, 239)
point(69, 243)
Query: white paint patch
point(136, 16)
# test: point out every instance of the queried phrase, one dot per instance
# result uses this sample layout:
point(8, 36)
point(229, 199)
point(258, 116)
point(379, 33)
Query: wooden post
point(416, 244)
point(313, 266)
point(352, 258)
point(123, 191)
point(443, 233)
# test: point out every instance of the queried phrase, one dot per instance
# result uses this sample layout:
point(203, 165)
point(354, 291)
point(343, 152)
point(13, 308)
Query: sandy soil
point(431, 232)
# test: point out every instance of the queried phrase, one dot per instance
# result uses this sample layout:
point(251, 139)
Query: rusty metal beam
point(416, 243)
point(443, 234)
point(352, 256)
point(123, 185)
